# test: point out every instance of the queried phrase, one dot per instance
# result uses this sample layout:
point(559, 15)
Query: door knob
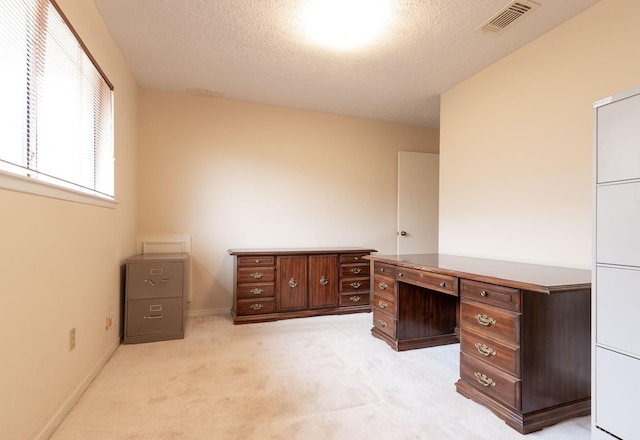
point(403, 233)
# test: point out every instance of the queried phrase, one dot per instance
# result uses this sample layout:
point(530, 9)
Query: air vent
point(508, 15)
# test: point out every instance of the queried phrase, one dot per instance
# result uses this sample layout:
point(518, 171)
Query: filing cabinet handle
point(355, 298)
point(256, 307)
point(484, 380)
point(443, 284)
point(256, 291)
point(324, 280)
point(484, 350)
point(356, 270)
point(383, 286)
point(154, 317)
point(382, 304)
point(356, 285)
point(165, 280)
point(150, 282)
point(293, 282)
point(257, 275)
point(381, 323)
point(483, 293)
point(485, 320)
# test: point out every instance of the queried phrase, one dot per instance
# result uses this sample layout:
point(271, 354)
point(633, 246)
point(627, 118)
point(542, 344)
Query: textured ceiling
point(253, 50)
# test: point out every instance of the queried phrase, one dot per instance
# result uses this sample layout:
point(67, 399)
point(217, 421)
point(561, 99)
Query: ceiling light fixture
point(345, 24)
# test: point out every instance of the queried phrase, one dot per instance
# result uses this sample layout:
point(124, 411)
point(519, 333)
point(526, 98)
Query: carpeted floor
point(312, 378)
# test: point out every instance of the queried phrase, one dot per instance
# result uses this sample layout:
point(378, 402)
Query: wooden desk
point(524, 329)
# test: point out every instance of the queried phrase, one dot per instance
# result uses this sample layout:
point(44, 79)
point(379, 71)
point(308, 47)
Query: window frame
point(24, 184)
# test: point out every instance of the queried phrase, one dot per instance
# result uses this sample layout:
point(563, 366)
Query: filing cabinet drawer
point(491, 294)
point(256, 274)
point(154, 316)
point(256, 260)
point(491, 381)
point(490, 321)
point(154, 280)
point(352, 258)
point(354, 270)
point(384, 323)
point(498, 354)
point(384, 285)
point(256, 290)
point(354, 299)
point(434, 281)
point(385, 303)
point(256, 306)
point(355, 285)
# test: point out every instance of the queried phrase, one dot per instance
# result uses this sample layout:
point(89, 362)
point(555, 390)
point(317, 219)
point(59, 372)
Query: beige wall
point(516, 141)
point(61, 269)
point(237, 175)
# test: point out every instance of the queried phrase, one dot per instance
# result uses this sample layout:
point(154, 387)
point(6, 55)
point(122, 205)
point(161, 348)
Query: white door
point(417, 203)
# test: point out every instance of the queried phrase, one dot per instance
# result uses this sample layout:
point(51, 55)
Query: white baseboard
point(207, 312)
point(59, 416)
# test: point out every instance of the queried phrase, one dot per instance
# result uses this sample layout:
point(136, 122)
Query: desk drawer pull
point(356, 285)
point(356, 270)
point(483, 293)
point(383, 286)
point(484, 350)
point(381, 323)
point(484, 380)
point(382, 304)
point(355, 298)
point(256, 307)
point(256, 291)
point(485, 320)
point(443, 284)
point(257, 275)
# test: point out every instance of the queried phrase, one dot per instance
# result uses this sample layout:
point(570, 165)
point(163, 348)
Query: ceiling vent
point(506, 16)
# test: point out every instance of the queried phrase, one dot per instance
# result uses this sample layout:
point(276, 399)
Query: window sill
point(14, 182)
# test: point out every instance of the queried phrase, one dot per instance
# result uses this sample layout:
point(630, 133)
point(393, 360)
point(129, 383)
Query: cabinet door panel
point(292, 283)
point(323, 280)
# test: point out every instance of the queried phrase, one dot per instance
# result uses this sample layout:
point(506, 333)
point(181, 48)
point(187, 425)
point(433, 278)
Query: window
point(56, 105)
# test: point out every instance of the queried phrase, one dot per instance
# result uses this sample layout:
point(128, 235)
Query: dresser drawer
point(387, 270)
point(491, 381)
point(354, 270)
point(154, 280)
point(490, 321)
point(256, 306)
point(385, 303)
point(384, 285)
point(355, 285)
point(491, 294)
point(498, 354)
point(354, 299)
point(256, 274)
point(256, 290)
point(352, 258)
point(384, 323)
point(154, 316)
point(256, 260)
point(433, 281)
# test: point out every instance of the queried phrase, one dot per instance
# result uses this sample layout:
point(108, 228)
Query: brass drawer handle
point(257, 275)
point(443, 284)
point(383, 286)
point(356, 285)
point(382, 269)
point(324, 280)
point(256, 291)
point(356, 270)
point(356, 258)
point(484, 380)
point(293, 282)
point(382, 304)
point(355, 298)
point(484, 350)
point(485, 320)
point(257, 261)
point(256, 307)
point(381, 323)
point(483, 293)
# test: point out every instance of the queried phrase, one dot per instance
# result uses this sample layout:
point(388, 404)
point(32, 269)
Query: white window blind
point(56, 105)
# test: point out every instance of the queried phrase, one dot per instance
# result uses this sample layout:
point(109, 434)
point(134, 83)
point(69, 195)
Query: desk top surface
point(534, 277)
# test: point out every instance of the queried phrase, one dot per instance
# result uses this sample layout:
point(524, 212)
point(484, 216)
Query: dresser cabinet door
point(292, 283)
point(323, 280)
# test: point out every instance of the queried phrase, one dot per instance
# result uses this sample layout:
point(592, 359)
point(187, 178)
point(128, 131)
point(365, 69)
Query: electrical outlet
point(72, 338)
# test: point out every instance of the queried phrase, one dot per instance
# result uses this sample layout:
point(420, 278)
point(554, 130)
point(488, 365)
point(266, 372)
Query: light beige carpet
point(311, 378)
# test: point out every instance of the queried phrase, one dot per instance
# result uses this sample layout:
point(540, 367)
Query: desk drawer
point(353, 258)
point(491, 322)
point(356, 285)
point(384, 269)
point(256, 274)
point(491, 381)
point(384, 323)
point(256, 306)
point(256, 260)
point(354, 270)
point(499, 296)
point(354, 299)
point(384, 285)
point(385, 303)
point(503, 356)
point(256, 290)
point(433, 281)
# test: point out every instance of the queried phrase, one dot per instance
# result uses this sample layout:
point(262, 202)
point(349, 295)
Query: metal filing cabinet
point(155, 300)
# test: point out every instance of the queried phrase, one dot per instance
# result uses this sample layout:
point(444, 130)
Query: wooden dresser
point(272, 284)
point(524, 329)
